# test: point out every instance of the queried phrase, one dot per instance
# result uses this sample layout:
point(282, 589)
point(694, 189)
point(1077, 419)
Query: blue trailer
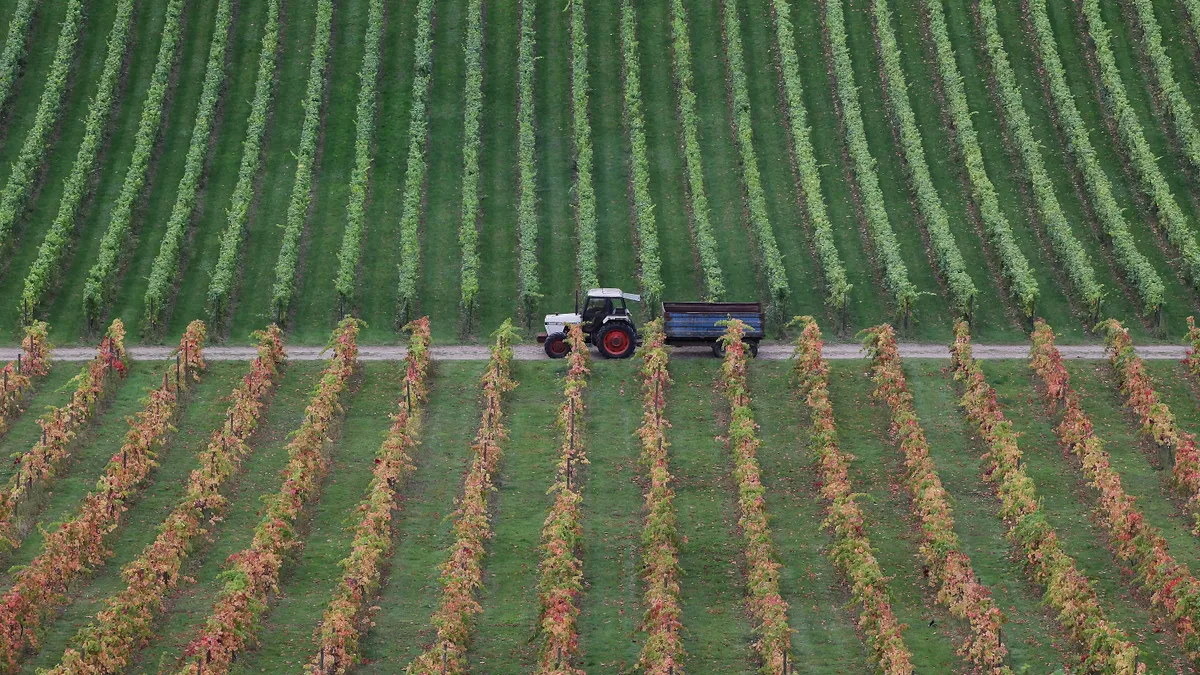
point(607, 322)
point(692, 323)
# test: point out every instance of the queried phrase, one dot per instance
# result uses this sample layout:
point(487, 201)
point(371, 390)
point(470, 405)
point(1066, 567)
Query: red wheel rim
point(616, 341)
point(558, 347)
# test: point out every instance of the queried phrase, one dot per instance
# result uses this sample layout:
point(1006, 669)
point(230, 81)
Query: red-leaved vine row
point(851, 550)
point(38, 467)
point(78, 545)
point(1170, 584)
point(561, 568)
point(1068, 591)
point(961, 591)
point(108, 644)
point(17, 377)
point(662, 653)
point(1158, 422)
point(1192, 358)
point(762, 571)
point(254, 573)
point(462, 573)
point(347, 617)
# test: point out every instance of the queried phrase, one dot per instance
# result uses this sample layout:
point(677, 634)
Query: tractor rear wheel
point(616, 341)
point(557, 346)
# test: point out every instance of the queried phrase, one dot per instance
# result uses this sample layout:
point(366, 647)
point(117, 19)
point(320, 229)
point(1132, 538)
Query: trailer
point(608, 323)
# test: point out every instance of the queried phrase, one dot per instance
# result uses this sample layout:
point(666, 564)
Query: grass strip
point(1129, 129)
point(851, 551)
point(837, 288)
point(165, 269)
point(32, 157)
point(39, 467)
point(111, 640)
point(961, 590)
point(20, 376)
point(14, 47)
point(1134, 265)
point(1021, 283)
point(347, 616)
point(929, 203)
point(360, 176)
point(40, 588)
point(243, 599)
point(1158, 422)
point(314, 93)
point(1074, 258)
point(561, 567)
point(100, 277)
point(45, 270)
point(221, 286)
point(1067, 590)
point(1169, 584)
point(414, 172)
point(760, 222)
point(887, 247)
point(646, 228)
point(462, 573)
point(1177, 105)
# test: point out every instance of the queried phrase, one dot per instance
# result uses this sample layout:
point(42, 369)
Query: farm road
point(526, 352)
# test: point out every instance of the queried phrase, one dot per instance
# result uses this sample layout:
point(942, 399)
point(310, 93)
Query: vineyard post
point(6, 382)
point(785, 662)
point(20, 368)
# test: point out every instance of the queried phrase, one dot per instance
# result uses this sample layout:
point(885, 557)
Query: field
point(296, 162)
point(428, 178)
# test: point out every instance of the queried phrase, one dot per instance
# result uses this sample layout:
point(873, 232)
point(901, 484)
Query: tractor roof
point(613, 293)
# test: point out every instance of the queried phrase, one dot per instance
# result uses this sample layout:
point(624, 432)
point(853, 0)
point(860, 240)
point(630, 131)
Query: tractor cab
point(606, 320)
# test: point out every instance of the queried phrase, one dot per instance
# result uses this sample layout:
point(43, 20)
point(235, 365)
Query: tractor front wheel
point(557, 346)
point(616, 341)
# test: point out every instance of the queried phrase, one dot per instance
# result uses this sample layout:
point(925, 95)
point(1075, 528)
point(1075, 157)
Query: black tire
point(753, 344)
point(557, 346)
point(616, 341)
point(718, 349)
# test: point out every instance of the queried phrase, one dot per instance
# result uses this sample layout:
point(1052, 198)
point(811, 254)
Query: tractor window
point(597, 306)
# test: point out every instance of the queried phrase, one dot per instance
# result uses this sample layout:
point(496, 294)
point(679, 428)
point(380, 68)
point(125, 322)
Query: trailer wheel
point(616, 341)
point(718, 349)
point(753, 344)
point(557, 346)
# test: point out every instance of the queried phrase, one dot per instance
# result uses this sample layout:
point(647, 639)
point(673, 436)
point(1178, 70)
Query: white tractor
point(606, 320)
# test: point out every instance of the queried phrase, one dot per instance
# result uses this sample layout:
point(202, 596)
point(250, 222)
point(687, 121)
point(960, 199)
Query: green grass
point(933, 316)
point(424, 526)
point(664, 151)
point(552, 122)
point(717, 634)
point(204, 414)
point(264, 233)
point(1068, 504)
point(441, 257)
point(286, 636)
point(24, 431)
point(1071, 49)
point(612, 520)
point(497, 169)
point(61, 146)
point(821, 612)
point(722, 181)
point(190, 604)
point(616, 258)
point(378, 275)
point(506, 632)
point(779, 178)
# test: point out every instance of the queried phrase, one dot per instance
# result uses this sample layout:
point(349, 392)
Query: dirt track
point(772, 350)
